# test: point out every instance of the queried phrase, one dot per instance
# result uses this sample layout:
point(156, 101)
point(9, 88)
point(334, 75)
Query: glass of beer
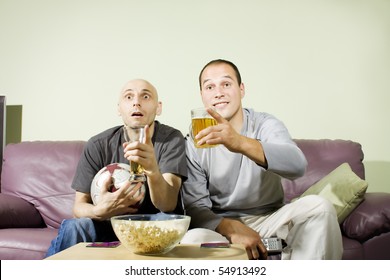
point(131, 134)
point(200, 119)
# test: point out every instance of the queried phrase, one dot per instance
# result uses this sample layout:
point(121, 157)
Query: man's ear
point(159, 108)
point(242, 89)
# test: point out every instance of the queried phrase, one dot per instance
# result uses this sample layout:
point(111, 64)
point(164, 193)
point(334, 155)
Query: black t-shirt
point(106, 148)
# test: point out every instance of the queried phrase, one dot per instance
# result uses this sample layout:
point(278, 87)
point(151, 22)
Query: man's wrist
point(225, 227)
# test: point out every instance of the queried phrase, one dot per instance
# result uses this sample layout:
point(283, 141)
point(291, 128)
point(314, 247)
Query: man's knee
point(77, 224)
point(201, 235)
point(319, 204)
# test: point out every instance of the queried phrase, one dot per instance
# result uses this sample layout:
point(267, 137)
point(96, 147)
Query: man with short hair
point(162, 156)
point(234, 193)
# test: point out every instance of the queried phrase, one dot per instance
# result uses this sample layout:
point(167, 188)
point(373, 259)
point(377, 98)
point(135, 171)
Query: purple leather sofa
point(366, 231)
point(36, 196)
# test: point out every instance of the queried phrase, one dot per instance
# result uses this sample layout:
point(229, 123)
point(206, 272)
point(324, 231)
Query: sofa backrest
point(41, 172)
point(323, 156)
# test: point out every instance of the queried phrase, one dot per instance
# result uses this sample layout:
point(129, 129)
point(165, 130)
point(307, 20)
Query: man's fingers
point(257, 253)
point(147, 137)
point(263, 251)
point(107, 183)
point(216, 115)
point(131, 188)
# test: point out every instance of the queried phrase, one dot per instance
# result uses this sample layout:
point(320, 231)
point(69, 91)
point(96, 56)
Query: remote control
point(273, 245)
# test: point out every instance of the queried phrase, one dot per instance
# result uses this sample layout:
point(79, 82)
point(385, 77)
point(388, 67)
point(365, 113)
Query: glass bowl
point(150, 234)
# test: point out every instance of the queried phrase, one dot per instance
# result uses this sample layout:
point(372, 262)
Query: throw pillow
point(343, 188)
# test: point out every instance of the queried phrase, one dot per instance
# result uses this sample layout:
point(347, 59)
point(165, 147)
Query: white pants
point(308, 225)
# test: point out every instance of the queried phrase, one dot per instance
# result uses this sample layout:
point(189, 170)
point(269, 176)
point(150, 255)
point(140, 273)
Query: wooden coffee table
point(181, 251)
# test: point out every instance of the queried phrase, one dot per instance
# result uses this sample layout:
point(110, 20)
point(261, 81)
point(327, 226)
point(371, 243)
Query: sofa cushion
point(41, 172)
point(352, 249)
point(15, 212)
point(343, 188)
point(378, 247)
point(323, 156)
point(371, 218)
point(25, 243)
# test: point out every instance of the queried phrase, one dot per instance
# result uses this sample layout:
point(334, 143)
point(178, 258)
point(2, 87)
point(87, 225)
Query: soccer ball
point(120, 173)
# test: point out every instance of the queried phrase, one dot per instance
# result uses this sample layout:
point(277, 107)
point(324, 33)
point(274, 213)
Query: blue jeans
point(73, 231)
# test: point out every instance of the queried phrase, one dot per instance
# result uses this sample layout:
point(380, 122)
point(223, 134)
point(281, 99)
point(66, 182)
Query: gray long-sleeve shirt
point(221, 183)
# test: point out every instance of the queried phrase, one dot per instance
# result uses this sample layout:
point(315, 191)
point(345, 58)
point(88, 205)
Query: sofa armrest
point(16, 212)
point(370, 218)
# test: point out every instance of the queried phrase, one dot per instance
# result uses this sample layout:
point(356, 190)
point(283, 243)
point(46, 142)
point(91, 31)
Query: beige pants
point(308, 225)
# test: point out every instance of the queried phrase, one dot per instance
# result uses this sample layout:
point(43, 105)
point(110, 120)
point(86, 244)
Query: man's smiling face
point(220, 90)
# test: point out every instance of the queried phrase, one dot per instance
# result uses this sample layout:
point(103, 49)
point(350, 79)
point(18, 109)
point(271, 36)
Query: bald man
point(162, 155)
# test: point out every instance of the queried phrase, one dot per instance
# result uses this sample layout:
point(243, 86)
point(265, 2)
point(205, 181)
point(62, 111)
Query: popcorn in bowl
point(150, 234)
